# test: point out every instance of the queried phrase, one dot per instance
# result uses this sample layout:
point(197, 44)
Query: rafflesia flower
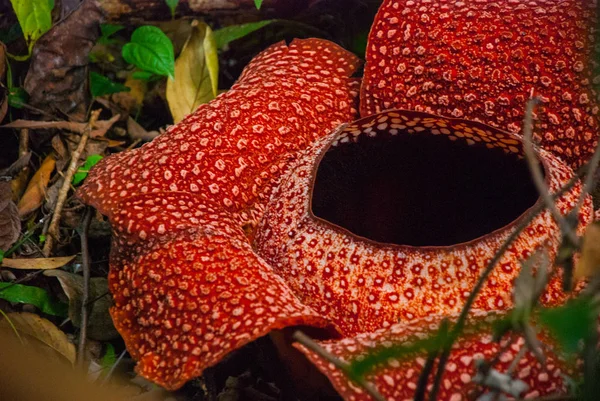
point(251, 215)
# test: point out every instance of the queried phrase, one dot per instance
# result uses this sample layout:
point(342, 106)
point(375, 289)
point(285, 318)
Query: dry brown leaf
point(37, 263)
point(42, 334)
point(36, 190)
point(136, 131)
point(10, 222)
point(196, 73)
point(57, 78)
point(113, 143)
point(100, 326)
point(588, 264)
point(131, 102)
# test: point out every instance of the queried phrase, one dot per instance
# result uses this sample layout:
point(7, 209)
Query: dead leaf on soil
point(37, 263)
point(131, 102)
point(136, 131)
point(40, 334)
point(588, 264)
point(58, 74)
point(100, 325)
point(196, 73)
point(36, 190)
point(10, 222)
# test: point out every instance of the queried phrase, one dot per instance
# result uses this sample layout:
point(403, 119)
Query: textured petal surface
point(187, 286)
point(397, 379)
point(234, 147)
point(185, 299)
point(482, 60)
point(363, 285)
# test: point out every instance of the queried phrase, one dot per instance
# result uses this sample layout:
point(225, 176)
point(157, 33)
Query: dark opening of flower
point(421, 188)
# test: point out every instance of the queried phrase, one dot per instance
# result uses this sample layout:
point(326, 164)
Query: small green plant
point(151, 51)
point(101, 85)
point(172, 6)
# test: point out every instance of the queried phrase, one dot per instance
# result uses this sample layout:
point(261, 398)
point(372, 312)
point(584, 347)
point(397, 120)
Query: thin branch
point(424, 376)
point(538, 175)
point(64, 190)
point(113, 367)
point(85, 256)
point(590, 177)
point(338, 363)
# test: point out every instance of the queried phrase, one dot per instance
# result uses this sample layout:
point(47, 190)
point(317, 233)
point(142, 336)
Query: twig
point(113, 367)
point(85, 257)
point(538, 176)
point(64, 190)
point(460, 323)
point(590, 177)
point(338, 363)
point(424, 376)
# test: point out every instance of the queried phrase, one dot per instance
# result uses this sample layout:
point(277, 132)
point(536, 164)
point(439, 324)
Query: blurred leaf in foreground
point(571, 323)
point(46, 337)
point(196, 73)
point(588, 264)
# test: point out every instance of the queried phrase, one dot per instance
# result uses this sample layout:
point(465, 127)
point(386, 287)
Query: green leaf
point(230, 33)
point(38, 297)
point(101, 85)
point(172, 6)
point(150, 50)
point(107, 31)
point(34, 17)
point(196, 73)
point(109, 358)
point(144, 75)
point(17, 97)
point(83, 171)
point(570, 323)
point(258, 3)
point(1, 255)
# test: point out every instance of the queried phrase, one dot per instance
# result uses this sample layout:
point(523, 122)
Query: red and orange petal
point(235, 147)
point(363, 285)
point(397, 378)
point(181, 206)
point(186, 298)
point(483, 60)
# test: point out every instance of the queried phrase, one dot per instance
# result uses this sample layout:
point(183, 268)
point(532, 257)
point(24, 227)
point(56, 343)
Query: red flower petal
point(184, 300)
point(482, 61)
point(397, 379)
point(363, 283)
point(187, 286)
